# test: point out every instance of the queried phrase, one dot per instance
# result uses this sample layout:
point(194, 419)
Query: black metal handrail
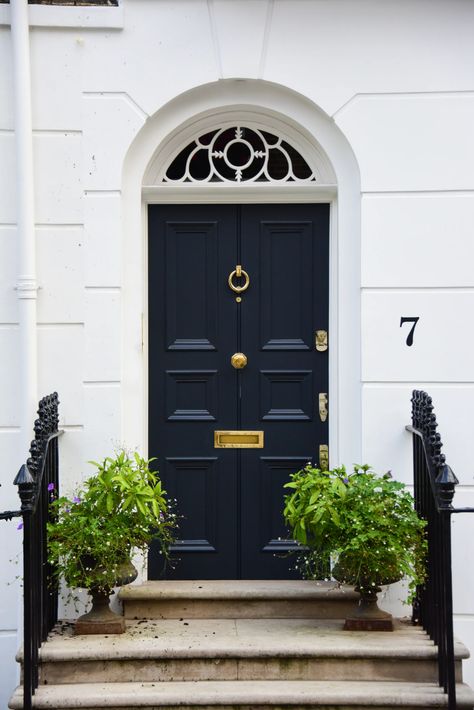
point(36, 480)
point(434, 488)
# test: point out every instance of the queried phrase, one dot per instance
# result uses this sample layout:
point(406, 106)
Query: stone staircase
point(241, 644)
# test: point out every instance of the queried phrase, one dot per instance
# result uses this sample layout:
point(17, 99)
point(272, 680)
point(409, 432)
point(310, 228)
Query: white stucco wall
point(397, 79)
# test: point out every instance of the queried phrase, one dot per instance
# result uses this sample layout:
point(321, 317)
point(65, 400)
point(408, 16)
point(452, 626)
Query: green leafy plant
point(363, 522)
point(116, 511)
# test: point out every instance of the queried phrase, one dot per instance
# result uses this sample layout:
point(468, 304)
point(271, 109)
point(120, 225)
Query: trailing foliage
point(116, 511)
point(364, 522)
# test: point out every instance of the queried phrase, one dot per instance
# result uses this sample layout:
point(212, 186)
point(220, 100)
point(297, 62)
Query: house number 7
point(403, 320)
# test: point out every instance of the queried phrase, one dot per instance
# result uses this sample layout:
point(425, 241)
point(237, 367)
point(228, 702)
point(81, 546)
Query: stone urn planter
point(101, 619)
point(368, 616)
point(115, 513)
point(364, 521)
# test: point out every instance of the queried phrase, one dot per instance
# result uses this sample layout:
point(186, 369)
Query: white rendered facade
point(382, 91)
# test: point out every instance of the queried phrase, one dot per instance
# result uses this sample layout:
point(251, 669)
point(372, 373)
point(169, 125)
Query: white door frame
point(278, 109)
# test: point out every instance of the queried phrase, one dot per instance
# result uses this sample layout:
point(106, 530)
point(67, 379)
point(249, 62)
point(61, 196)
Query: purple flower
point(50, 486)
point(345, 480)
point(19, 526)
point(76, 500)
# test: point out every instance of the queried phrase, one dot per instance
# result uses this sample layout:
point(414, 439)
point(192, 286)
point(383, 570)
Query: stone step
point(241, 649)
point(244, 695)
point(237, 599)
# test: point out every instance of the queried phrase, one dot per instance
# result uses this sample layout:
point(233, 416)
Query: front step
point(245, 695)
point(238, 599)
point(241, 645)
point(242, 649)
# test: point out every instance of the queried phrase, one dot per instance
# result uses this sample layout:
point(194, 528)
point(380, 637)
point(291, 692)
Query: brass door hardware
point(321, 340)
point(238, 439)
point(324, 457)
point(323, 406)
point(239, 273)
point(238, 360)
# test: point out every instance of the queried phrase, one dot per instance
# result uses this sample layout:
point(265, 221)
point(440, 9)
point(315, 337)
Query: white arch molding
point(320, 142)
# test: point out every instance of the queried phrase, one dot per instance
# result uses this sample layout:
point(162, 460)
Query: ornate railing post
point(434, 487)
point(34, 481)
point(26, 490)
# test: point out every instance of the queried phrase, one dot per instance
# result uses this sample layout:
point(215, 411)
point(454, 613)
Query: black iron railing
point(36, 480)
point(434, 487)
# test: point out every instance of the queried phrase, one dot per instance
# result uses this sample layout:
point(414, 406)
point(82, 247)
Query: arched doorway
point(322, 193)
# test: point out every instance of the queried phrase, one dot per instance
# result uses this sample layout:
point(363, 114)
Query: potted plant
point(366, 525)
point(91, 536)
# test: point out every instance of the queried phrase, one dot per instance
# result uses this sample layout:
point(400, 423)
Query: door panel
point(264, 537)
point(286, 262)
point(189, 480)
point(191, 266)
point(231, 499)
point(191, 395)
point(286, 395)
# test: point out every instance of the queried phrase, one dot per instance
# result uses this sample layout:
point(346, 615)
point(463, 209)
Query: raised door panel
point(265, 539)
point(191, 395)
point(274, 473)
point(286, 395)
point(191, 285)
point(190, 480)
point(286, 257)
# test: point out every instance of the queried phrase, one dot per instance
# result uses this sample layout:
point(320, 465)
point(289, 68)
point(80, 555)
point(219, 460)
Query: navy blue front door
point(231, 499)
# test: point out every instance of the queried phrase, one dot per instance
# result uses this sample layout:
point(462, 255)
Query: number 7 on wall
point(413, 320)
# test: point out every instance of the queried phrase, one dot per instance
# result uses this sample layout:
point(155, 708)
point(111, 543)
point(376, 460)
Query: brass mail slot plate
point(238, 439)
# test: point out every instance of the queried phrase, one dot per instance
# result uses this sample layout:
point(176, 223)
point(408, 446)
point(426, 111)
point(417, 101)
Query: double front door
point(237, 387)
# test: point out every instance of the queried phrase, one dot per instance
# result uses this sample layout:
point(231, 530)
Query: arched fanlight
point(239, 154)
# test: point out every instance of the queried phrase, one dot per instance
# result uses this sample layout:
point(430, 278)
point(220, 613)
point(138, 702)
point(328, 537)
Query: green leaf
point(110, 502)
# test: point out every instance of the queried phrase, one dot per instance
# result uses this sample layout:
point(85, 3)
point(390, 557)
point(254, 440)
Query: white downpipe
point(26, 281)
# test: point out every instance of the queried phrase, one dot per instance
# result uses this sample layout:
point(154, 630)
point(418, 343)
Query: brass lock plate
point(323, 406)
point(324, 457)
point(238, 439)
point(321, 340)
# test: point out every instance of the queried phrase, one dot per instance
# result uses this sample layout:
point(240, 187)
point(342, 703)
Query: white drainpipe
point(26, 282)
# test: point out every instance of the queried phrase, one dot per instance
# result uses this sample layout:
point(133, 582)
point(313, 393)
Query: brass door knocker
point(239, 273)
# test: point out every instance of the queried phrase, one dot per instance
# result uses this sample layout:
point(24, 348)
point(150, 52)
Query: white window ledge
point(94, 17)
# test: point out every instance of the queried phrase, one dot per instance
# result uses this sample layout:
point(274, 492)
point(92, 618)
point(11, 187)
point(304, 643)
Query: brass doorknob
point(238, 360)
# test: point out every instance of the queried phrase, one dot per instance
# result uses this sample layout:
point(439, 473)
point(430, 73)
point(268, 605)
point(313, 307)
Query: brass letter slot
point(238, 439)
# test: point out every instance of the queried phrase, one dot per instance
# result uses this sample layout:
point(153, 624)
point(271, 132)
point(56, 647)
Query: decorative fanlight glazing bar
point(239, 154)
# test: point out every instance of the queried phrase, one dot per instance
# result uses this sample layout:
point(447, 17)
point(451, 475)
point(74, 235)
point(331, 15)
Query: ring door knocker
point(239, 273)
